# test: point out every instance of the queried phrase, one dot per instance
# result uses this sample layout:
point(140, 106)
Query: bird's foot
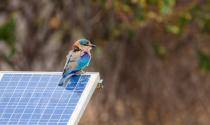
point(80, 72)
point(83, 72)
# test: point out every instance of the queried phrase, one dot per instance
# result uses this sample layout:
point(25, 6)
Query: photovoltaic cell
point(36, 98)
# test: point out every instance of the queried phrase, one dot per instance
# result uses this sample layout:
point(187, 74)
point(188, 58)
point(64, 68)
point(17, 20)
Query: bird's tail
point(66, 76)
point(69, 72)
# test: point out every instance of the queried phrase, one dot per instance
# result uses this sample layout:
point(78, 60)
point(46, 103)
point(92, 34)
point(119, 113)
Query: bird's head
point(84, 45)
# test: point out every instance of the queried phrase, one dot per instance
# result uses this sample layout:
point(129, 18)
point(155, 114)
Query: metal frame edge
point(1, 75)
point(84, 99)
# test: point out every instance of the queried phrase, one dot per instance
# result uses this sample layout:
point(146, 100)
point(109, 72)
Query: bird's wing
point(83, 61)
point(71, 60)
point(67, 60)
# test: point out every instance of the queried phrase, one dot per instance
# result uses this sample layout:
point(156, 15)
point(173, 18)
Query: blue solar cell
point(37, 99)
point(19, 110)
point(5, 78)
point(16, 77)
point(25, 79)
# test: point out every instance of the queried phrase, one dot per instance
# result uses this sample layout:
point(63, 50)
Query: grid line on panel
point(4, 88)
point(19, 120)
point(31, 114)
point(46, 105)
point(83, 83)
point(43, 123)
point(56, 106)
point(54, 109)
point(71, 105)
point(45, 88)
point(2, 93)
point(48, 82)
point(28, 88)
point(7, 104)
point(39, 99)
point(18, 99)
point(59, 120)
point(79, 90)
point(69, 99)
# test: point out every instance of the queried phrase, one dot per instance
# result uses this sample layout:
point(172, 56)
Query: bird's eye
point(84, 42)
point(87, 44)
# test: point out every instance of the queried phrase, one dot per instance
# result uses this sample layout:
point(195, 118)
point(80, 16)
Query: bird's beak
point(92, 45)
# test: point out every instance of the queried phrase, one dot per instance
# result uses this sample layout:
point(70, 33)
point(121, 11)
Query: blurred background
point(154, 55)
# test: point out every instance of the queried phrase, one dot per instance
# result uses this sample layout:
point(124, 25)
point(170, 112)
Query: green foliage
point(201, 16)
point(184, 19)
point(131, 35)
point(206, 25)
point(139, 13)
point(7, 34)
point(179, 24)
point(166, 6)
point(204, 61)
point(159, 49)
point(173, 29)
point(152, 2)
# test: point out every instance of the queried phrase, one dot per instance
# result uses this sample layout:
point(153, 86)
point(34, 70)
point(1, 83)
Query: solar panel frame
point(1, 75)
point(84, 98)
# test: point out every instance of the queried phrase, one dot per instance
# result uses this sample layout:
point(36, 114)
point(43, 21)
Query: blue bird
point(77, 59)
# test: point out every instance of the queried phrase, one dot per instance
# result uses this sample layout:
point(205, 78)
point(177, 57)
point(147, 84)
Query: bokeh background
point(154, 55)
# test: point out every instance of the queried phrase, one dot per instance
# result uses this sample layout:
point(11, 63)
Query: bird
point(77, 59)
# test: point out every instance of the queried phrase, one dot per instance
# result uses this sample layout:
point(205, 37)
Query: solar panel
point(30, 98)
